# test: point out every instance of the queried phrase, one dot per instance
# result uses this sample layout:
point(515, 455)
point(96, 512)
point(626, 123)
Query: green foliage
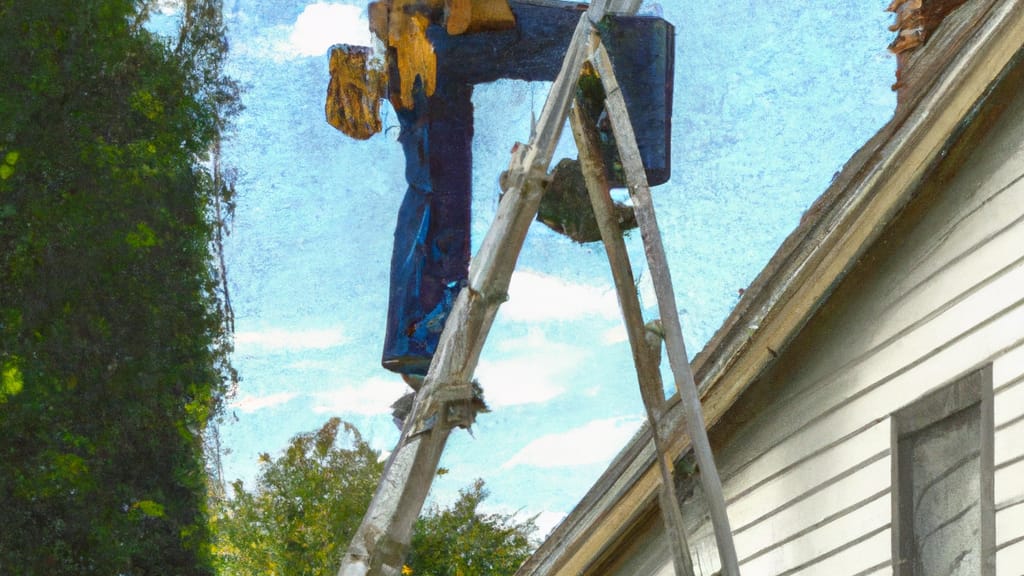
point(149, 508)
point(308, 503)
point(462, 541)
point(7, 167)
point(142, 237)
point(113, 337)
point(11, 380)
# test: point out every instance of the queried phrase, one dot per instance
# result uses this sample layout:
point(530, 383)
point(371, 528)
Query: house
point(865, 399)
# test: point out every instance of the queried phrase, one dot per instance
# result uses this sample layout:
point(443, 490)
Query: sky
point(771, 98)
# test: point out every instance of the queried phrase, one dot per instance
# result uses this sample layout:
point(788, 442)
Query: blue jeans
point(431, 254)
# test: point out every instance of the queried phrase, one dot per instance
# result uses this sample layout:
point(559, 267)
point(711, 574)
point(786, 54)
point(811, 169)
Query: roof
point(942, 82)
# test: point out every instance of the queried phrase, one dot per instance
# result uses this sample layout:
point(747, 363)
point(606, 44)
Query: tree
point(308, 502)
point(462, 541)
point(114, 338)
point(305, 502)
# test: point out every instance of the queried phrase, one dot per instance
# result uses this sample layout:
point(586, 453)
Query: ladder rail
point(657, 263)
point(646, 357)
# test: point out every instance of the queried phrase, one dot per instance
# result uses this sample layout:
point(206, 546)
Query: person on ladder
point(436, 51)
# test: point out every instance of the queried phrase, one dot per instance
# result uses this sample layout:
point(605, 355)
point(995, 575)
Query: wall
point(805, 453)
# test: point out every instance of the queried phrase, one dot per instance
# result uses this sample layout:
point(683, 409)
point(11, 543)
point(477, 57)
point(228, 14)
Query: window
point(943, 512)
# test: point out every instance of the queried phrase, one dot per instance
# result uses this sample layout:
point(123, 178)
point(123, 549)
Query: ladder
point(445, 398)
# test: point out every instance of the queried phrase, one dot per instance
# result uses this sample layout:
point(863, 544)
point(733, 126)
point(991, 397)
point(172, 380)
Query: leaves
point(11, 380)
point(142, 237)
point(308, 502)
point(113, 338)
point(7, 168)
point(149, 508)
point(461, 540)
point(144, 102)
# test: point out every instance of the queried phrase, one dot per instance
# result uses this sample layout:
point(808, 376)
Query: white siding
point(1009, 439)
point(808, 479)
point(1009, 490)
point(1010, 560)
point(1008, 382)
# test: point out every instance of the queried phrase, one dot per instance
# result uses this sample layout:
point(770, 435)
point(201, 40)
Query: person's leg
point(432, 247)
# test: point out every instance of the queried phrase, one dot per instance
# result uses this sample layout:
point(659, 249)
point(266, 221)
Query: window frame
point(966, 391)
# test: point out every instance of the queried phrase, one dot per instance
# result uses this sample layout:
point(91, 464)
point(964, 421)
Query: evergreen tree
point(113, 335)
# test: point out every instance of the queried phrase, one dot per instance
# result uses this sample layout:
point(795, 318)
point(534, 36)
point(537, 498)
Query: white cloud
point(536, 297)
point(592, 443)
point(530, 370)
point(251, 403)
point(323, 24)
point(317, 28)
point(307, 364)
point(373, 396)
point(169, 6)
point(547, 521)
point(278, 339)
point(615, 335)
point(518, 381)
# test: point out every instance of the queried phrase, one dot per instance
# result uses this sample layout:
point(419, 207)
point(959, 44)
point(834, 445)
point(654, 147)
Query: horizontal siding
point(1008, 369)
point(1009, 486)
point(803, 463)
point(875, 549)
point(884, 398)
point(924, 357)
point(781, 518)
point(984, 240)
point(648, 555)
point(812, 524)
point(824, 540)
point(825, 421)
point(1009, 400)
point(887, 303)
point(656, 561)
point(705, 557)
point(808, 473)
point(1008, 523)
point(962, 216)
point(1010, 560)
point(780, 493)
point(1009, 441)
point(700, 534)
point(884, 570)
point(1008, 412)
point(977, 226)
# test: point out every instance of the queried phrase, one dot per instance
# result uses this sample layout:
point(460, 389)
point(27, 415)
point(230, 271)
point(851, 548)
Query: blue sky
point(771, 98)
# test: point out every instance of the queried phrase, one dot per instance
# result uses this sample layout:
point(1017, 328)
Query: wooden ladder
point(444, 400)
